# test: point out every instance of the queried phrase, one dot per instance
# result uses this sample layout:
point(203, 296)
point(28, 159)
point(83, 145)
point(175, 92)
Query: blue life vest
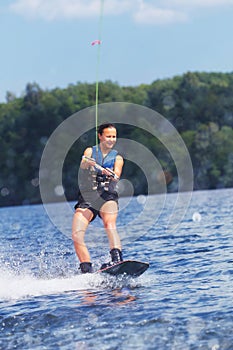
point(106, 162)
point(100, 181)
point(92, 179)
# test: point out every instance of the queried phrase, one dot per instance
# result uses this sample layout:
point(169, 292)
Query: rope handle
point(99, 167)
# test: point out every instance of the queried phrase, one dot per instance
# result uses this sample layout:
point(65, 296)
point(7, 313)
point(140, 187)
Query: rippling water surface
point(184, 300)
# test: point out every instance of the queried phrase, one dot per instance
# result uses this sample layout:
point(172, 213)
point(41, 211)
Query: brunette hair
point(105, 126)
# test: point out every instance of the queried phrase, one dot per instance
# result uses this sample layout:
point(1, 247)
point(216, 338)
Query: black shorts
point(94, 201)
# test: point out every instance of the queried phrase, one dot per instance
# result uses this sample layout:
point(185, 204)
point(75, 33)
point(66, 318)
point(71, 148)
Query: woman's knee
point(110, 224)
point(78, 237)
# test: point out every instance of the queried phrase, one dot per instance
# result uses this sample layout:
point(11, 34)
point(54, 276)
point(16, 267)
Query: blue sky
point(49, 41)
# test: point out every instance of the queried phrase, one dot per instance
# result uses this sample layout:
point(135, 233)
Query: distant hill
point(199, 105)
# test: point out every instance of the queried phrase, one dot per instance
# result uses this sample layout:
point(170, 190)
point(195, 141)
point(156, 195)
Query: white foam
point(14, 286)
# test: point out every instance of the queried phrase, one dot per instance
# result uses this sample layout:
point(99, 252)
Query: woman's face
point(108, 138)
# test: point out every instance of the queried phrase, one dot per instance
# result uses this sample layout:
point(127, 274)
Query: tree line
point(198, 105)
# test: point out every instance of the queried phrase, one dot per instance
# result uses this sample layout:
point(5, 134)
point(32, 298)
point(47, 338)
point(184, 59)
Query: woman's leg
point(108, 213)
point(81, 220)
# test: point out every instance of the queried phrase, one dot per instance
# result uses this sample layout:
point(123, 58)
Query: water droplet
point(196, 217)
point(59, 190)
point(141, 199)
point(4, 191)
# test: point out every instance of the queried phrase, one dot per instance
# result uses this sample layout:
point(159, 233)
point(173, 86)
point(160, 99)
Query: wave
point(18, 286)
point(22, 286)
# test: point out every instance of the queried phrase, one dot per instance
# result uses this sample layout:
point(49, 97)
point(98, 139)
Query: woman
point(98, 195)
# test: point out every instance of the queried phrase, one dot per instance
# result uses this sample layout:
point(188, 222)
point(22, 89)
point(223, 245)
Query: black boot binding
point(86, 267)
point(116, 256)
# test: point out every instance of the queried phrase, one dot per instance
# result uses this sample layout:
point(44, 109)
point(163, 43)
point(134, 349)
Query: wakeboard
point(128, 267)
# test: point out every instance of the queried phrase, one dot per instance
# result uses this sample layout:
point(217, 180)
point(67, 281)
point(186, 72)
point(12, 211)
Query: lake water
point(184, 301)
